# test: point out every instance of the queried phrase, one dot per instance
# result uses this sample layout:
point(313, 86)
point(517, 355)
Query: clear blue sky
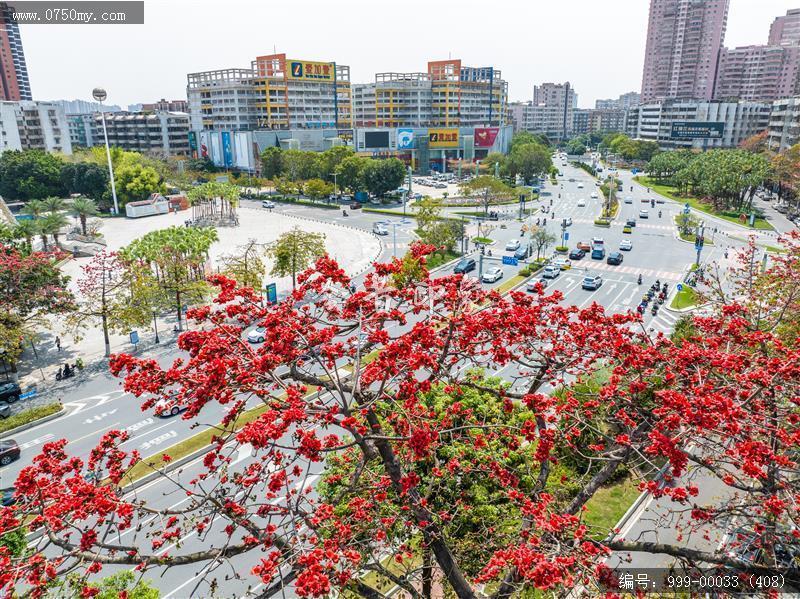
point(598, 45)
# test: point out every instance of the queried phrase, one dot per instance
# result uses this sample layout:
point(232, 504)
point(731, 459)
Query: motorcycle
point(67, 373)
point(659, 214)
point(640, 280)
point(344, 212)
point(641, 308)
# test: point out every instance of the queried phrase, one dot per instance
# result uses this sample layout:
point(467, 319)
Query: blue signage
point(405, 139)
point(227, 149)
point(566, 235)
point(272, 293)
point(680, 287)
point(134, 337)
point(510, 260)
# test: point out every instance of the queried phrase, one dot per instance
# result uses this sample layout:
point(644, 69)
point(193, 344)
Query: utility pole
point(699, 240)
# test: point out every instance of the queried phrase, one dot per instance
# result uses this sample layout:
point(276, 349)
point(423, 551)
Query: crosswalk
point(647, 273)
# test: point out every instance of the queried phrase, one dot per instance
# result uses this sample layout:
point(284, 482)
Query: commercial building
point(448, 94)
point(274, 93)
point(14, 82)
point(624, 102)
point(784, 124)
point(29, 125)
point(760, 73)
point(160, 133)
point(697, 124)
point(422, 148)
point(167, 106)
point(580, 121)
point(785, 30)
point(684, 38)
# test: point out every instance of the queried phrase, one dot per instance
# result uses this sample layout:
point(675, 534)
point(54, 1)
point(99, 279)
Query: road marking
point(108, 426)
point(37, 441)
point(99, 417)
point(159, 440)
point(147, 432)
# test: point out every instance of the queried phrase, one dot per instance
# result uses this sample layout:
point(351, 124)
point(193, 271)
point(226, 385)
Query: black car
point(577, 254)
point(9, 451)
point(464, 266)
point(7, 497)
point(355, 206)
point(631, 222)
point(614, 258)
point(5, 410)
point(9, 392)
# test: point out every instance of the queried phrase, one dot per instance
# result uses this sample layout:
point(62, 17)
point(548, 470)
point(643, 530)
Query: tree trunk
point(178, 299)
point(83, 224)
point(427, 573)
point(106, 340)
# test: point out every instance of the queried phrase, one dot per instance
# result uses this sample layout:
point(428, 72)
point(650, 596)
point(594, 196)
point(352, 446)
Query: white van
point(380, 229)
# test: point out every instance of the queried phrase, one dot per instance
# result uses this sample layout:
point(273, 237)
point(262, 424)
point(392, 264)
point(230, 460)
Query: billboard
point(227, 149)
point(376, 139)
point(346, 135)
point(305, 70)
point(405, 139)
point(442, 138)
point(697, 130)
point(485, 136)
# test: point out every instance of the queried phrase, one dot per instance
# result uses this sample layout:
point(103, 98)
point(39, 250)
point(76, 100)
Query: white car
point(551, 271)
point(562, 263)
point(513, 245)
point(267, 204)
point(581, 203)
point(593, 195)
point(644, 214)
point(256, 335)
point(492, 274)
point(580, 185)
point(626, 245)
point(536, 285)
point(628, 200)
point(167, 406)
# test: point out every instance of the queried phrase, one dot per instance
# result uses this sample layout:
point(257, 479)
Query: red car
point(582, 245)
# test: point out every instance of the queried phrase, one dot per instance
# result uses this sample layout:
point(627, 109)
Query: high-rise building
point(784, 124)
point(274, 93)
point(447, 95)
point(763, 73)
point(624, 102)
point(28, 125)
point(684, 38)
point(551, 110)
point(159, 133)
point(785, 30)
point(85, 106)
point(14, 82)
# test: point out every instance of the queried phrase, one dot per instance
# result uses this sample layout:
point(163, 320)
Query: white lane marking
point(37, 441)
point(99, 430)
point(99, 417)
point(159, 440)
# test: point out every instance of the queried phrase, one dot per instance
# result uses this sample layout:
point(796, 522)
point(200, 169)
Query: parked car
point(256, 335)
point(626, 245)
point(581, 203)
point(644, 214)
point(537, 285)
point(9, 451)
point(614, 258)
point(598, 252)
point(5, 410)
point(355, 206)
point(513, 245)
point(10, 392)
point(577, 254)
point(592, 282)
point(464, 266)
point(8, 496)
point(490, 275)
point(267, 204)
point(551, 271)
point(523, 252)
point(583, 245)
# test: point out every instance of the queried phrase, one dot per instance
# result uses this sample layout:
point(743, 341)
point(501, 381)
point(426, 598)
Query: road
point(98, 404)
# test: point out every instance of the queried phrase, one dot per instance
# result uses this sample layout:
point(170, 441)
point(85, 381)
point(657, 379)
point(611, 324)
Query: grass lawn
point(608, 505)
point(485, 240)
point(685, 298)
point(27, 416)
point(669, 191)
point(438, 258)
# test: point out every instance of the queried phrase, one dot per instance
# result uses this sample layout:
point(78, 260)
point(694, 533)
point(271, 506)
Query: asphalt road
point(98, 404)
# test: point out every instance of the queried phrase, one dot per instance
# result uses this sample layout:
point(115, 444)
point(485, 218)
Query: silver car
point(492, 274)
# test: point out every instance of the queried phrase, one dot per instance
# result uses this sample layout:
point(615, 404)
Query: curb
point(29, 425)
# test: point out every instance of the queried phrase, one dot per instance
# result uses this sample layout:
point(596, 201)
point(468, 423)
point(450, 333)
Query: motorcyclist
point(344, 212)
point(659, 214)
point(640, 279)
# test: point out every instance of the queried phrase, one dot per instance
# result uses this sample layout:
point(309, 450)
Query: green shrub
point(27, 416)
point(562, 248)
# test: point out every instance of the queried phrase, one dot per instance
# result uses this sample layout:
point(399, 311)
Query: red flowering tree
point(31, 288)
point(357, 376)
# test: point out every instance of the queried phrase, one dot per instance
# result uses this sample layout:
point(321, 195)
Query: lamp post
point(335, 187)
point(155, 326)
point(99, 94)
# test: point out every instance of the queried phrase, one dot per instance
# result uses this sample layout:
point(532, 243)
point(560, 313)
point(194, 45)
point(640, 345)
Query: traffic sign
point(680, 286)
point(566, 235)
point(510, 260)
point(686, 208)
point(134, 337)
point(272, 293)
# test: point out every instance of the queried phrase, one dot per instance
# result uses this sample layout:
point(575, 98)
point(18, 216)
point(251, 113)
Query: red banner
point(485, 136)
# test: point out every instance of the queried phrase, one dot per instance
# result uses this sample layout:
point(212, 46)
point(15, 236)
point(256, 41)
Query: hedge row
point(27, 416)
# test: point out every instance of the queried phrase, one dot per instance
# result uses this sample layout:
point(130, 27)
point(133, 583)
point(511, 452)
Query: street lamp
point(99, 94)
point(335, 187)
point(155, 326)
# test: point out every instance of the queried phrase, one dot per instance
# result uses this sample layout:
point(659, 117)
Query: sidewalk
point(355, 251)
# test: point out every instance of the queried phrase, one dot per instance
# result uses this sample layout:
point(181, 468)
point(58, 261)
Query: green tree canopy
point(350, 173)
point(529, 160)
point(294, 251)
point(86, 178)
point(30, 174)
point(381, 176)
point(272, 162)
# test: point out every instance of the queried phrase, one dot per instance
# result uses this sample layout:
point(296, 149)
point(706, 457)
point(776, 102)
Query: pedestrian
point(58, 343)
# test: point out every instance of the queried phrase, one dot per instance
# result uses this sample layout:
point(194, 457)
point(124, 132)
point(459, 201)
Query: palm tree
point(34, 208)
point(83, 208)
point(53, 204)
point(25, 229)
point(51, 224)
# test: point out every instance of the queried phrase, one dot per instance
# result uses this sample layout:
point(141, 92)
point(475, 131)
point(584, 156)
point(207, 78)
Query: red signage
point(485, 136)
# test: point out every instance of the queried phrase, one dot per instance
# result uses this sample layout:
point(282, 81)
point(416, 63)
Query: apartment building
point(785, 30)
point(684, 38)
point(393, 100)
point(160, 133)
point(624, 102)
point(223, 99)
point(14, 82)
point(29, 125)
point(758, 73)
point(166, 105)
point(784, 124)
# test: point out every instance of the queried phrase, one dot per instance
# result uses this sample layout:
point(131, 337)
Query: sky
point(597, 45)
